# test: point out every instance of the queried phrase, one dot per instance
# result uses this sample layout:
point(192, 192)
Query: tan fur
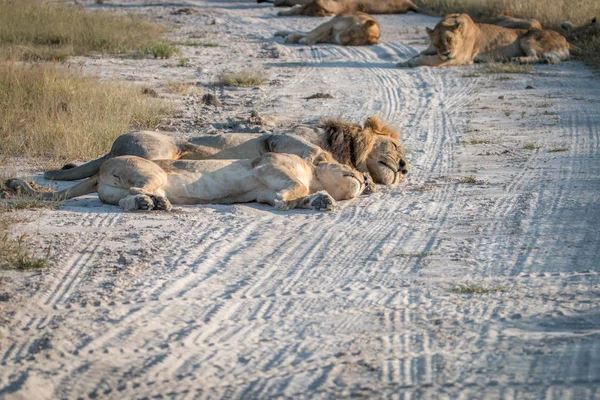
point(508, 20)
point(457, 40)
point(283, 180)
point(592, 28)
point(322, 8)
point(377, 143)
point(349, 29)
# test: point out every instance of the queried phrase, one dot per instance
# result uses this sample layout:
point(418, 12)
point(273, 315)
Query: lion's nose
point(402, 167)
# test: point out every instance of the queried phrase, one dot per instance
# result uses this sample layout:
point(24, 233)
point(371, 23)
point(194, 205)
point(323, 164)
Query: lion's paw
point(322, 201)
point(161, 203)
point(407, 64)
point(136, 202)
point(280, 204)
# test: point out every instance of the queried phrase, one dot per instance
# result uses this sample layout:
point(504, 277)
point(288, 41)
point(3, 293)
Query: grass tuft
point(531, 146)
point(34, 30)
point(53, 112)
point(476, 289)
point(244, 79)
point(468, 179)
point(558, 149)
point(163, 50)
point(476, 141)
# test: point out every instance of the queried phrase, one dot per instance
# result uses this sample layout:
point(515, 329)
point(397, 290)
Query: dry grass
point(182, 88)
point(52, 112)
point(13, 251)
point(34, 30)
point(470, 179)
point(476, 289)
point(550, 14)
point(508, 68)
point(531, 146)
point(244, 79)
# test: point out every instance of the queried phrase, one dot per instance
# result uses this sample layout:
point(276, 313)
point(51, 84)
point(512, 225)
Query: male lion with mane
point(350, 29)
point(284, 181)
point(375, 149)
point(457, 40)
point(322, 8)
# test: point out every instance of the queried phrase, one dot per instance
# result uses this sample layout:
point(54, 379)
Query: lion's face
point(341, 181)
point(387, 162)
point(447, 36)
point(360, 34)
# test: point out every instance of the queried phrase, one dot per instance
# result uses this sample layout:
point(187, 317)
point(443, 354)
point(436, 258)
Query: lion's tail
point(86, 187)
point(80, 172)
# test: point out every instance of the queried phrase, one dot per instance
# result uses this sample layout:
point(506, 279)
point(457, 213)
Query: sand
point(475, 278)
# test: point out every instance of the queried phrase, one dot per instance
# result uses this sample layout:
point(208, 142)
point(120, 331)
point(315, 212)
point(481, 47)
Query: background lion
point(375, 148)
point(322, 8)
point(457, 40)
point(592, 28)
point(349, 29)
point(283, 180)
point(285, 3)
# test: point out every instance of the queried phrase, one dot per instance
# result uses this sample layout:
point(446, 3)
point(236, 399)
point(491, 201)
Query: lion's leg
point(284, 200)
point(318, 35)
point(137, 202)
point(291, 12)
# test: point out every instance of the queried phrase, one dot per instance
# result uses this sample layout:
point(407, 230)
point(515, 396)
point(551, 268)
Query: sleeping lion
point(284, 181)
point(457, 40)
point(349, 29)
point(375, 149)
point(322, 8)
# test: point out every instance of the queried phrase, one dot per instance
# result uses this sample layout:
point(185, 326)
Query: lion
point(457, 40)
point(375, 149)
point(322, 8)
point(284, 181)
point(590, 29)
point(508, 20)
point(349, 29)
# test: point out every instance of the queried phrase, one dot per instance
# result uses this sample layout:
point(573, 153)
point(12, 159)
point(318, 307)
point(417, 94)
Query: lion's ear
point(374, 123)
point(429, 31)
point(369, 24)
point(460, 20)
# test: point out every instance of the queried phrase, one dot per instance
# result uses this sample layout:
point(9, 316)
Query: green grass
point(508, 113)
point(531, 146)
point(476, 289)
point(244, 78)
point(558, 149)
point(163, 50)
point(468, 179)
point(35, 30)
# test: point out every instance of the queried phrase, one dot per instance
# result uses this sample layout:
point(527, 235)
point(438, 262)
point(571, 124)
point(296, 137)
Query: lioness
point(375, 149)
point(590, 29)
point(322, 8)
point(350, 29)
point(283, 180)
point(508, 20)
point(457, 40)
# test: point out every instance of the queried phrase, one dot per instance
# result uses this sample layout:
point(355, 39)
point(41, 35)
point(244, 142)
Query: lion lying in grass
point(457, 40)
point(375, 149)
point(284, 181)
point(592, 28)
point(350, 29)
point(322, 8)
point(508, 20)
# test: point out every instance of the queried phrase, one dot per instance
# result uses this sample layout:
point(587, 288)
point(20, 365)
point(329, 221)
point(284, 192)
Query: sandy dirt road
point(245, 302)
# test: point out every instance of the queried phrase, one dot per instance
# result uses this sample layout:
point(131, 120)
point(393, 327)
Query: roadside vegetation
point(34, 30)
point(550, 15)
point(244, 79)
point(51, 112)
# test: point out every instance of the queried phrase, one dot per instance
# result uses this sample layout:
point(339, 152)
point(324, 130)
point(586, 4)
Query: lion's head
point(449, 34)
point(341, 181)
point(360, 34)
point(591, 28)
point(375, 148)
